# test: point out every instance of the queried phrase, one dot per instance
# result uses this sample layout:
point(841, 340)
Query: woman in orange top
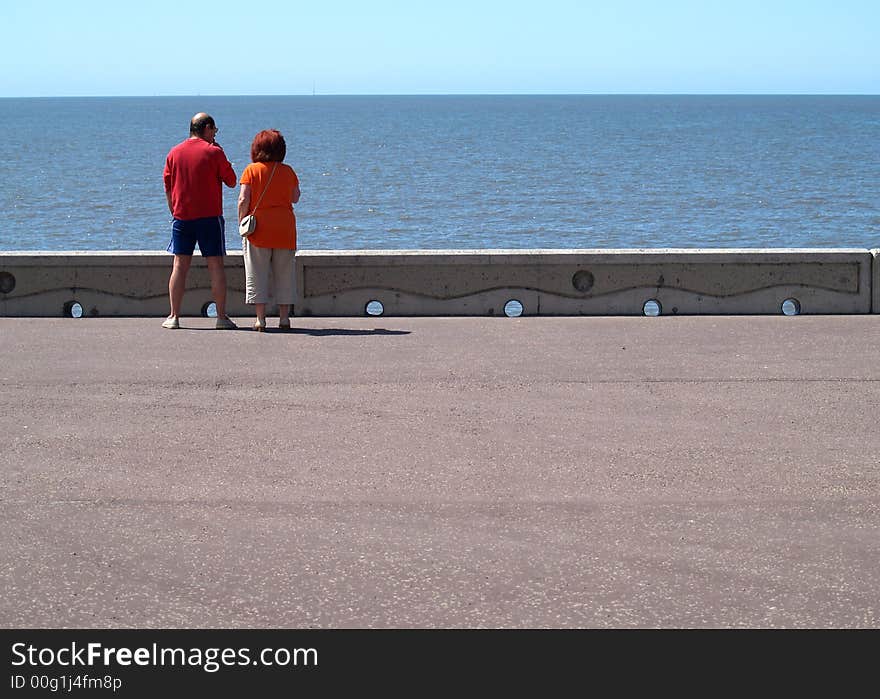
point(271, 247)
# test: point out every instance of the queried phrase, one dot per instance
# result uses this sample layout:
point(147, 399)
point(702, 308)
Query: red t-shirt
point(194, 170)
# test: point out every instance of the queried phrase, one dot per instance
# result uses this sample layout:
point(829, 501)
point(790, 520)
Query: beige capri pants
point(258, 264)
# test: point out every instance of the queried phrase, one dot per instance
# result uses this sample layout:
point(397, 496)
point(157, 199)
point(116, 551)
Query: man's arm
point(227, 174)
point(166, 177)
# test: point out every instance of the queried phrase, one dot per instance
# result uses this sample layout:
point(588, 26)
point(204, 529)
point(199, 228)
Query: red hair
point(268, 147)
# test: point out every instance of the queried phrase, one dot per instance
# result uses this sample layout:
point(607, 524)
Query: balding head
point(199, 123)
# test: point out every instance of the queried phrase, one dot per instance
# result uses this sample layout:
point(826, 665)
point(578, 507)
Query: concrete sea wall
point(464, 282)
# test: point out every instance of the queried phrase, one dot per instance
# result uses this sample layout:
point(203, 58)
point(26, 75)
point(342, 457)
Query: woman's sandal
point(284, 323)
point(259, 325)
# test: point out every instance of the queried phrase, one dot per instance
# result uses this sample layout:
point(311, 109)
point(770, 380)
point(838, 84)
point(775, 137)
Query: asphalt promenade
point(424, 472)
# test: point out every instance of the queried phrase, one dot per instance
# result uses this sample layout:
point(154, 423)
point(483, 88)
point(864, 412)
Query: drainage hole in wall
point(583, 281)
point(209, 310)
point(7, 282)
point(73, 309)
point(791, 307)
point(374, 308)
point(652, 307)
point(513, 309)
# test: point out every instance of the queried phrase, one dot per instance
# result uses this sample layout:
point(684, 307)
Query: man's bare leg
point(177, 283)
point(218, 283)
point(218, 290)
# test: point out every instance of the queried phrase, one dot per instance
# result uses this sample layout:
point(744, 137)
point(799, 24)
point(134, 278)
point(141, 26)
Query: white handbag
point(247, 225)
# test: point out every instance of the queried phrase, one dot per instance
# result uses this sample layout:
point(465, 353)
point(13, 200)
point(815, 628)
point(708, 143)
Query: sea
point(463, 172)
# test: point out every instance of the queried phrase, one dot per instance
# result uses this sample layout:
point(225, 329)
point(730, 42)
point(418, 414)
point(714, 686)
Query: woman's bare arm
point(244, 201)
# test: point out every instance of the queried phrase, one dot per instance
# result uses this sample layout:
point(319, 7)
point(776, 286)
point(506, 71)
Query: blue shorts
point(209, 233)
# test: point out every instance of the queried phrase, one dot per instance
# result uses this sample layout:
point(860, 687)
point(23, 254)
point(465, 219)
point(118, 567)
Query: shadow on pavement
point(319, 332)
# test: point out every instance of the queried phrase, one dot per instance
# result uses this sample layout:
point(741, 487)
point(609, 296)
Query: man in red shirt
point(195, 171)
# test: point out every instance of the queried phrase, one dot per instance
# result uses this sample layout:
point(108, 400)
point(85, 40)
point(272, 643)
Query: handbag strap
point(268, 182)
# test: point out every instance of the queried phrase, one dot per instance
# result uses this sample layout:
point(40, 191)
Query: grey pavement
point(439, 472)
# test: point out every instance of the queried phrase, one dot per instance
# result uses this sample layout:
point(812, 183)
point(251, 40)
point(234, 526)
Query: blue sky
point(159, 47)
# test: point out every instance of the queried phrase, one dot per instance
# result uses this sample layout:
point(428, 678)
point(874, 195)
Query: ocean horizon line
point(447, 94)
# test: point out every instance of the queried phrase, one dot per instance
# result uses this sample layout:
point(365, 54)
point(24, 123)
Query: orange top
point(276, 222)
